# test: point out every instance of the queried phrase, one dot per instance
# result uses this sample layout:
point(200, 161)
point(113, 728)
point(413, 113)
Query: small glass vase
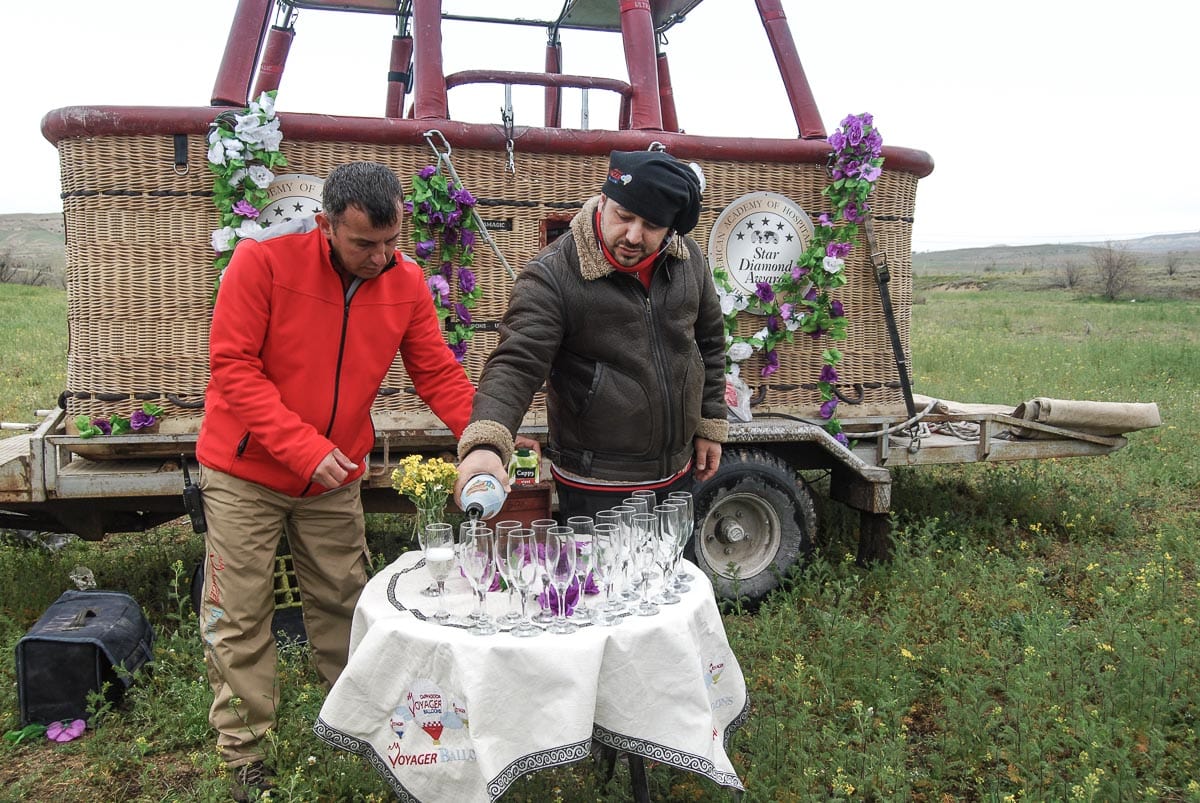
point(426, 516)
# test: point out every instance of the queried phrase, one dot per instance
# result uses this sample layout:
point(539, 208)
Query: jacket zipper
point(337, 376)
point(660, 368)
point(337, 373)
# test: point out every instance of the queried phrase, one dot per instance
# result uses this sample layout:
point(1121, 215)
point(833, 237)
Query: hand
point(708, 459)
point(481, 461)
point(333, 469)
point(525, 442)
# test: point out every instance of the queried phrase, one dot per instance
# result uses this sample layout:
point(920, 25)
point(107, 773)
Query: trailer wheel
point(753, 520)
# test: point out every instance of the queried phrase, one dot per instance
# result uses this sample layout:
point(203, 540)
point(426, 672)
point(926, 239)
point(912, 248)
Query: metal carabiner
point(445, 144)
point(506, 119)
point(444, 159)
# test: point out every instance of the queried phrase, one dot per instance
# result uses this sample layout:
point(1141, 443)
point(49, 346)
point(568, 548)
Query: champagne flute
point(606, 557)
point(650, 496)
point(583, 526)
point(628, 571)
point(638, 503)
point(438, 548)
point(503, 528)
point(612, 518)
point(667, 520)
point(562, 553)
point(540, 529)
point(644, 530)
point(465, 528)
point(684, 498)
point(478, 557)
point(519, 552)
point(430, 590)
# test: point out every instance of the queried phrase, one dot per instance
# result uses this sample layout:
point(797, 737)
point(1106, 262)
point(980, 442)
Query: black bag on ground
point(75, 648)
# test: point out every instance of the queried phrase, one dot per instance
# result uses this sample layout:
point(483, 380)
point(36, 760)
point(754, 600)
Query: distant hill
point(34, 240)
point(1167, 266)
point(1005, 258)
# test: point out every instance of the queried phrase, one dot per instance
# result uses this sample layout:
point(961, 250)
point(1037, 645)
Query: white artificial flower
point(233, 148)
point(833, 264)
point(222, 239)
point(793, 323)
point(214, 135)
point(247, 228)
point(727, 303)
point(739, 351)
point(265, 105)
point(272, 140)
point(235, 178)
point(734, 370)
point(251, 134)
point(762, 334)
point(245, 122)
point(216, 152)
point(261, 176)
point(271, 136)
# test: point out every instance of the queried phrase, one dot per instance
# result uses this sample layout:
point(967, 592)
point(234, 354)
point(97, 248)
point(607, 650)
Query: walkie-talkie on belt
point(191, 500)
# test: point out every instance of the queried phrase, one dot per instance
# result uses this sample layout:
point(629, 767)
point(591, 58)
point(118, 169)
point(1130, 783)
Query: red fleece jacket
point(296, 361)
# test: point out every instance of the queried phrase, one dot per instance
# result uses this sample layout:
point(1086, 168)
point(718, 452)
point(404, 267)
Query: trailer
point(755, 518)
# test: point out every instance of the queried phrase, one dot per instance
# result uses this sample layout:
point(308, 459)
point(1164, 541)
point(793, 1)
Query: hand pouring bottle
point(482, 497)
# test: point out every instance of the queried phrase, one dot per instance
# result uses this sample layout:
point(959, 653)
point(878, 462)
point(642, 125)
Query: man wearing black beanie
point(619, 316)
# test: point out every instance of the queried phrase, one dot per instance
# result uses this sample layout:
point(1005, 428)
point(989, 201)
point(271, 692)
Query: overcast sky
point(1061, 121)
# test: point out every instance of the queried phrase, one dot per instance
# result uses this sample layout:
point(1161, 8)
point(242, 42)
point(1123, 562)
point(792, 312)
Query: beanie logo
point(615, 175)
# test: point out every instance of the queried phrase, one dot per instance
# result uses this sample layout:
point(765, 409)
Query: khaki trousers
point(327, 537)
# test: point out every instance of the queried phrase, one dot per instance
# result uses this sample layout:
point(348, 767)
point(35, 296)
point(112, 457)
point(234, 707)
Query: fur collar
point(592, 264)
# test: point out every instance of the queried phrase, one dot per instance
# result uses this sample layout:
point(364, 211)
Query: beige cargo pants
point(327, 537)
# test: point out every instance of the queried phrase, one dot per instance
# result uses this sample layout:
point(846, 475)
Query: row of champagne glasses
point(619, 548)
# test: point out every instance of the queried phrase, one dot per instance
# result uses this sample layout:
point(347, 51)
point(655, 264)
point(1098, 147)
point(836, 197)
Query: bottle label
point(524, 468)
point(482, 496)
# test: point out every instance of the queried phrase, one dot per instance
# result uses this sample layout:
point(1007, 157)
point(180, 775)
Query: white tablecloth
point(443, 714)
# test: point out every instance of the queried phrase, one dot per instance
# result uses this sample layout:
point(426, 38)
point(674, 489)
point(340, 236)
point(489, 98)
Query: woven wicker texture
point(139, 268)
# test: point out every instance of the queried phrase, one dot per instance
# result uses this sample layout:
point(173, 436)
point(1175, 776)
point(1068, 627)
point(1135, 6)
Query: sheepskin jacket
point(632, 376)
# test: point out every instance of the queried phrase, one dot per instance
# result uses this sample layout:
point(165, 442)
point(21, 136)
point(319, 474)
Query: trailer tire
point(753, 521)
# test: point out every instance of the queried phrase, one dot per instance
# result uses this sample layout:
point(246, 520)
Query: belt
point(587, 463)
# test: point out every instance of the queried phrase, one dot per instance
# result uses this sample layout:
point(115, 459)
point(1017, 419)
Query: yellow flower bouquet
point(427, 483)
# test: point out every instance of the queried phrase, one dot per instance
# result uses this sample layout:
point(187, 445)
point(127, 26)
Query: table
point(444, 714)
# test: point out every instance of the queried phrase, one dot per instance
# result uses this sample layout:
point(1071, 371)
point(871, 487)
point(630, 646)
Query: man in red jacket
point(307, 322)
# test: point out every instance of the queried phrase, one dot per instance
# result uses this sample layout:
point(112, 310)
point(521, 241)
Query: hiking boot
point(250, 781)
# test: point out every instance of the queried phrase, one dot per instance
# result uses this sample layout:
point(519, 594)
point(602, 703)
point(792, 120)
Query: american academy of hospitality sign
point(758, 238)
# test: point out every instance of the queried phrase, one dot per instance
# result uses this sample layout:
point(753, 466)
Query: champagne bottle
point(482, 497)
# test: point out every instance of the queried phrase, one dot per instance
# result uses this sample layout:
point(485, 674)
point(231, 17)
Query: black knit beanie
point(655, 186)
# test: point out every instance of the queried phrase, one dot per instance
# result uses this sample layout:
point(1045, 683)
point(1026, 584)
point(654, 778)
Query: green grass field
point(33, 347)
point(1035, 637)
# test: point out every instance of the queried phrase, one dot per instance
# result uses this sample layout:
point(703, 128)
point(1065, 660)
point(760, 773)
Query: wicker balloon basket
point(140, 273)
